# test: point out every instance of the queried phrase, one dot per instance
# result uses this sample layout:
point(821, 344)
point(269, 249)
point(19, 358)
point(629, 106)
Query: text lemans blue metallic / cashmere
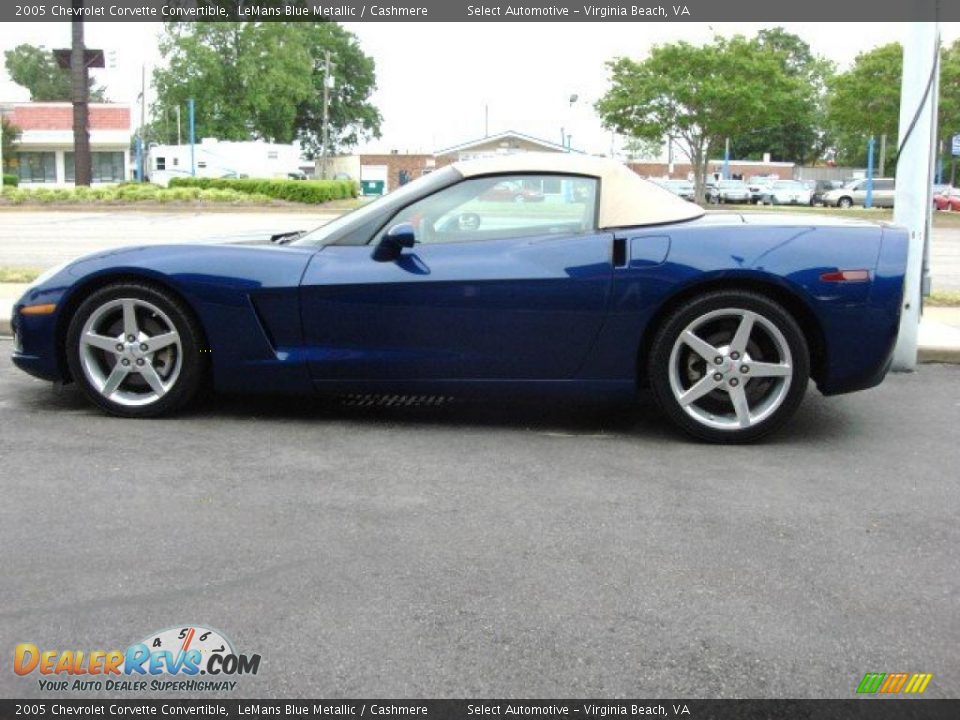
point(527, 273)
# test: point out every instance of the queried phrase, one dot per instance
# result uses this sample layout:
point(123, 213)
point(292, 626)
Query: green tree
point(700, 95)
point(800, 138)
point(11, 135)
point(36, 69)
point(265, 80)
point(352, 116)
point(949, 124)
point(865, 101)
point(638, 148)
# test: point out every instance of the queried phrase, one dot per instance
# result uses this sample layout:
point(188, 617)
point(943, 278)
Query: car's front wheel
point(730, 366)
point(845, 202)
point(135, 350)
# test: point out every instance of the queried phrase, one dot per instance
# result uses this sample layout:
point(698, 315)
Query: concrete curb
point(935, 354)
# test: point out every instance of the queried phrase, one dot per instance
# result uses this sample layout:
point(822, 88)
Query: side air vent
point(619, 252)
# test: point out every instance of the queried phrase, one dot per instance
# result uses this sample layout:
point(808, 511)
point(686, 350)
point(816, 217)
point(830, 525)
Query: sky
point(439, 82)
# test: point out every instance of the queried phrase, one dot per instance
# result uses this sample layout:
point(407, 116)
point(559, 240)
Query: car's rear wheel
point(731, 366)
point(135, 350)
point(845, 202)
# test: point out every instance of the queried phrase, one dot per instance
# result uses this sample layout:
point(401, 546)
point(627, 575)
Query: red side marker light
point(846, 276)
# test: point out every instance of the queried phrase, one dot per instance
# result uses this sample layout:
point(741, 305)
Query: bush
point(129, 193)
point(302, 191)
point(10, 180)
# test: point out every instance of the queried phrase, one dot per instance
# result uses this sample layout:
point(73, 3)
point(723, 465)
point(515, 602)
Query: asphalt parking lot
point(492, 550)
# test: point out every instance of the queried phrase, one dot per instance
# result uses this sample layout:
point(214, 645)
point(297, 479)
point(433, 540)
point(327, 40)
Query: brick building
point(388, 171)
point(44, 152)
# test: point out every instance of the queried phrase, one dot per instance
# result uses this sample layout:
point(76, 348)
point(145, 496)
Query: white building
point(44, 151)
point(221, 158)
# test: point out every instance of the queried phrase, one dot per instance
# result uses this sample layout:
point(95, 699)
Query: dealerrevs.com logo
point(172, 659)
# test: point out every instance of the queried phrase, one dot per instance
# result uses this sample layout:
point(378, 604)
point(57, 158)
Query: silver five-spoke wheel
point(130, 351)
point(136, 349)
point(729, 366)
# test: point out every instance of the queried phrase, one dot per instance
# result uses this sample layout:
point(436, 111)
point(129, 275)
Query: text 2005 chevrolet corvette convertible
point(609, 284)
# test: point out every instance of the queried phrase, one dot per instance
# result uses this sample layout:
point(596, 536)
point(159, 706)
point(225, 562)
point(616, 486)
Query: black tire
point(845, 202)
point(668, 334)
point(191, 366)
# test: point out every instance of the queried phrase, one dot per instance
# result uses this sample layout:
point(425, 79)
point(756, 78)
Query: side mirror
point(393, 242)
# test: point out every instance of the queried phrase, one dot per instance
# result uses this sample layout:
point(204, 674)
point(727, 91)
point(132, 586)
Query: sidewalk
point(939, 337)
point(939, 329)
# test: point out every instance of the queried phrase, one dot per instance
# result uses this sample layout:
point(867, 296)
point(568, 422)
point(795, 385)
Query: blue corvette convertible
point(607, 284)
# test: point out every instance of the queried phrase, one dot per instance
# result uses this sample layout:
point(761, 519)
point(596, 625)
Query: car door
point(884, 192)
point(493, 289)
point(859, 192)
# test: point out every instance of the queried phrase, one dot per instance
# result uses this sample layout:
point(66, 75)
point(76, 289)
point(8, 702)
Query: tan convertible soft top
point(626, 199)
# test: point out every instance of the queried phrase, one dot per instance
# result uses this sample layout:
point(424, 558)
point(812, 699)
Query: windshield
point(391, 202)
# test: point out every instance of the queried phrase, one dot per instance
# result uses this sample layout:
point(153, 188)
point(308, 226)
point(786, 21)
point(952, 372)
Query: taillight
point(846, 276)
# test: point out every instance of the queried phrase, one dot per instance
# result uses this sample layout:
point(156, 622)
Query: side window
point(504, 206)
point(884, 184)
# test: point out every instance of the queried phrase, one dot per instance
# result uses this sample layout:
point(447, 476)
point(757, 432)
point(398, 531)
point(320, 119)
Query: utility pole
point(917, 137)
point(1, 152)
point(141, 144)
point(178, 124)
point(726, 160)
point(868, 201)
point(327, 85)
point(882, 165)
point(192, 120)
point(80, 92)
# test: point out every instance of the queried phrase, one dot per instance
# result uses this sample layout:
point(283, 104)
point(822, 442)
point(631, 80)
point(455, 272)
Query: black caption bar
point(864, 709)
point(480, 11)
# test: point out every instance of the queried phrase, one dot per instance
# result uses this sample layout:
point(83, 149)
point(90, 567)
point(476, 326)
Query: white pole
point(326, 115)
point(912, 202)
point(1, 153)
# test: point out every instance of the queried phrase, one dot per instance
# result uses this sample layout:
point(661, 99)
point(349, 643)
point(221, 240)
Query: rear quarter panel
point(858, 320)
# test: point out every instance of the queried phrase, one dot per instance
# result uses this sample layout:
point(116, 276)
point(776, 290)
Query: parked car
point(614, 286)
point(855, 193)
point(728, 191)
point(759, 186)
point(683, 188)
point(821, 188)
point(511, 192)
point(787, 192)
point(947, 198)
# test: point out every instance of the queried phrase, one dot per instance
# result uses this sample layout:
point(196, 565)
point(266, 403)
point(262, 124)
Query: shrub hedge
point(10, 180)
point(130, 193)
point(303, 191)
